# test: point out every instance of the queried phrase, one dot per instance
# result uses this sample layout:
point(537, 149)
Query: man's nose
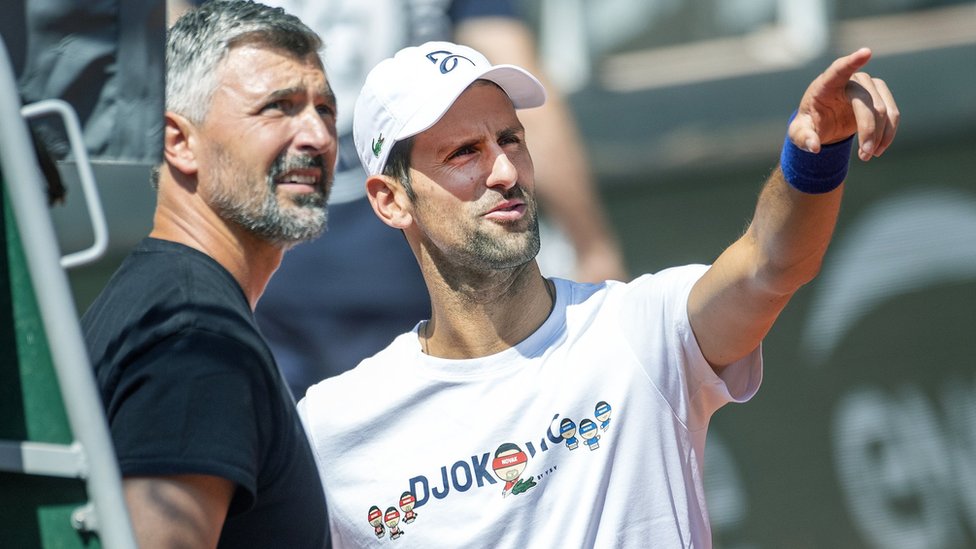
point(503, 173)
point(315, 135)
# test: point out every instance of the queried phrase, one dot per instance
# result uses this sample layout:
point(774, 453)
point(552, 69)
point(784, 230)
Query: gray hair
point(201, 38)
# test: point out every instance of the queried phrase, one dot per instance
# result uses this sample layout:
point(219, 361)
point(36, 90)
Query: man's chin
point(310, 226)
point(308, 197)
point(296, 225)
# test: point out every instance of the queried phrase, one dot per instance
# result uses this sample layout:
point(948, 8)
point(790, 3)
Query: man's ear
point(389, 201)
point(179, 140)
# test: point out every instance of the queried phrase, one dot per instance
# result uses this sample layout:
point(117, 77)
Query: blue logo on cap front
point(448, 63)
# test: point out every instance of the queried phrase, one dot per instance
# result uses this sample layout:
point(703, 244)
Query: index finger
point(842, 69)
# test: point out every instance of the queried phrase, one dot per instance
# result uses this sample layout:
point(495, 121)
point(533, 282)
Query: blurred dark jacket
point(105, 58)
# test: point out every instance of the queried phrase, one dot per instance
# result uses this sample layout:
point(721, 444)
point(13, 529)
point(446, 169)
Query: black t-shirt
point(190, 387)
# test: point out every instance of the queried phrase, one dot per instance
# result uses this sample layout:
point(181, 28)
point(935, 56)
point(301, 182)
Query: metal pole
point(60, 319)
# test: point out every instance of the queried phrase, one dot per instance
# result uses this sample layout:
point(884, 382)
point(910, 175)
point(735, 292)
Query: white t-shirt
point(590, 433)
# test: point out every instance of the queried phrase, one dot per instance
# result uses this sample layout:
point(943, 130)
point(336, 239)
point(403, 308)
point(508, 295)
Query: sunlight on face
point(269, 144)
point(473, 177)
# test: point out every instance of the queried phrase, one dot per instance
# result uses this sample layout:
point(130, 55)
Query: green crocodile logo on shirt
point(523, 485)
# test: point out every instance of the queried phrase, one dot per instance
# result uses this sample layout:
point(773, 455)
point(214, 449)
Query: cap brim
point(522, 88)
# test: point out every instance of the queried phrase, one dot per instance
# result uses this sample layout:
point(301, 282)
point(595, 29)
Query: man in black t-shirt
point(208, 440)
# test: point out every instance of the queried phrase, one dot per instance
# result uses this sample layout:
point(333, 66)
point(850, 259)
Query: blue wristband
point(815, 173)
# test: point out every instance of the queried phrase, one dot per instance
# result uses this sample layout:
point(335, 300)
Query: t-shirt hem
point(138, 468)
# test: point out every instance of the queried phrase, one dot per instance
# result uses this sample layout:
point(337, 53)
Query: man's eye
point(461, 152)
point(326, 110)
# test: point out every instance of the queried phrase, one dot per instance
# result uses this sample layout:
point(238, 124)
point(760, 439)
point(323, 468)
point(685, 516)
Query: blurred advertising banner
point(864, 432)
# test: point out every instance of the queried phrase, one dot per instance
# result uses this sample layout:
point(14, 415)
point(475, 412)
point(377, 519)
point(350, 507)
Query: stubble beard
point(512, 251)
point(255, 205)
point(484, 249)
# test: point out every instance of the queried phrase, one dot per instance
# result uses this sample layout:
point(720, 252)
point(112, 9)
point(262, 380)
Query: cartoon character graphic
point(392, 518)
point(567, 430)
point(509, 463)
point(602, 413)
point(591, 436)
point(375, 518)
point(407, 501)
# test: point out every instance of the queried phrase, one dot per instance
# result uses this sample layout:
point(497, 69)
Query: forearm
point(791, 231)
point(736, 302)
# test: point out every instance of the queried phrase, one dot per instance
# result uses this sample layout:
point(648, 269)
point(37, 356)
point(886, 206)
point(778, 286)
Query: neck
point(249, 259)
point(479, 318)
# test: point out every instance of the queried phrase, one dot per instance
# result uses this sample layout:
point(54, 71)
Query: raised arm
point(735, 303)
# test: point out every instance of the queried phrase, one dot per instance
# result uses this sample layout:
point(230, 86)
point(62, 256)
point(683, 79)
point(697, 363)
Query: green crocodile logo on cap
point(378, 145)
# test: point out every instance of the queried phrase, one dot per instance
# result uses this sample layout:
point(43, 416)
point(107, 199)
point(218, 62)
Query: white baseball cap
point(409, 92)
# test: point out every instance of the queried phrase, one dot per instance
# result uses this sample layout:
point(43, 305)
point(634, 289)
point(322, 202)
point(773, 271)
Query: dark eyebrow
point(283, 93)
point(297, 90)
point(512, 131)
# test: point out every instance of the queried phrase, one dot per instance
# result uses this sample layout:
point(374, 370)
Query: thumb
point(803, 134)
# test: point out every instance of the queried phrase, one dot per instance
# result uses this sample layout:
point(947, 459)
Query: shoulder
point(162, 292)
point(671, 285)
point(158, 270)
point(651, 303)
point(670, 279)
point(165, 273)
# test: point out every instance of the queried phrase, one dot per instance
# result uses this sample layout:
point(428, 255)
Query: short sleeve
point(192, 405)
point(655, 322)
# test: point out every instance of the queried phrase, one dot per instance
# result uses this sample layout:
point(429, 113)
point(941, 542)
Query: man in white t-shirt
point(468, 412)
